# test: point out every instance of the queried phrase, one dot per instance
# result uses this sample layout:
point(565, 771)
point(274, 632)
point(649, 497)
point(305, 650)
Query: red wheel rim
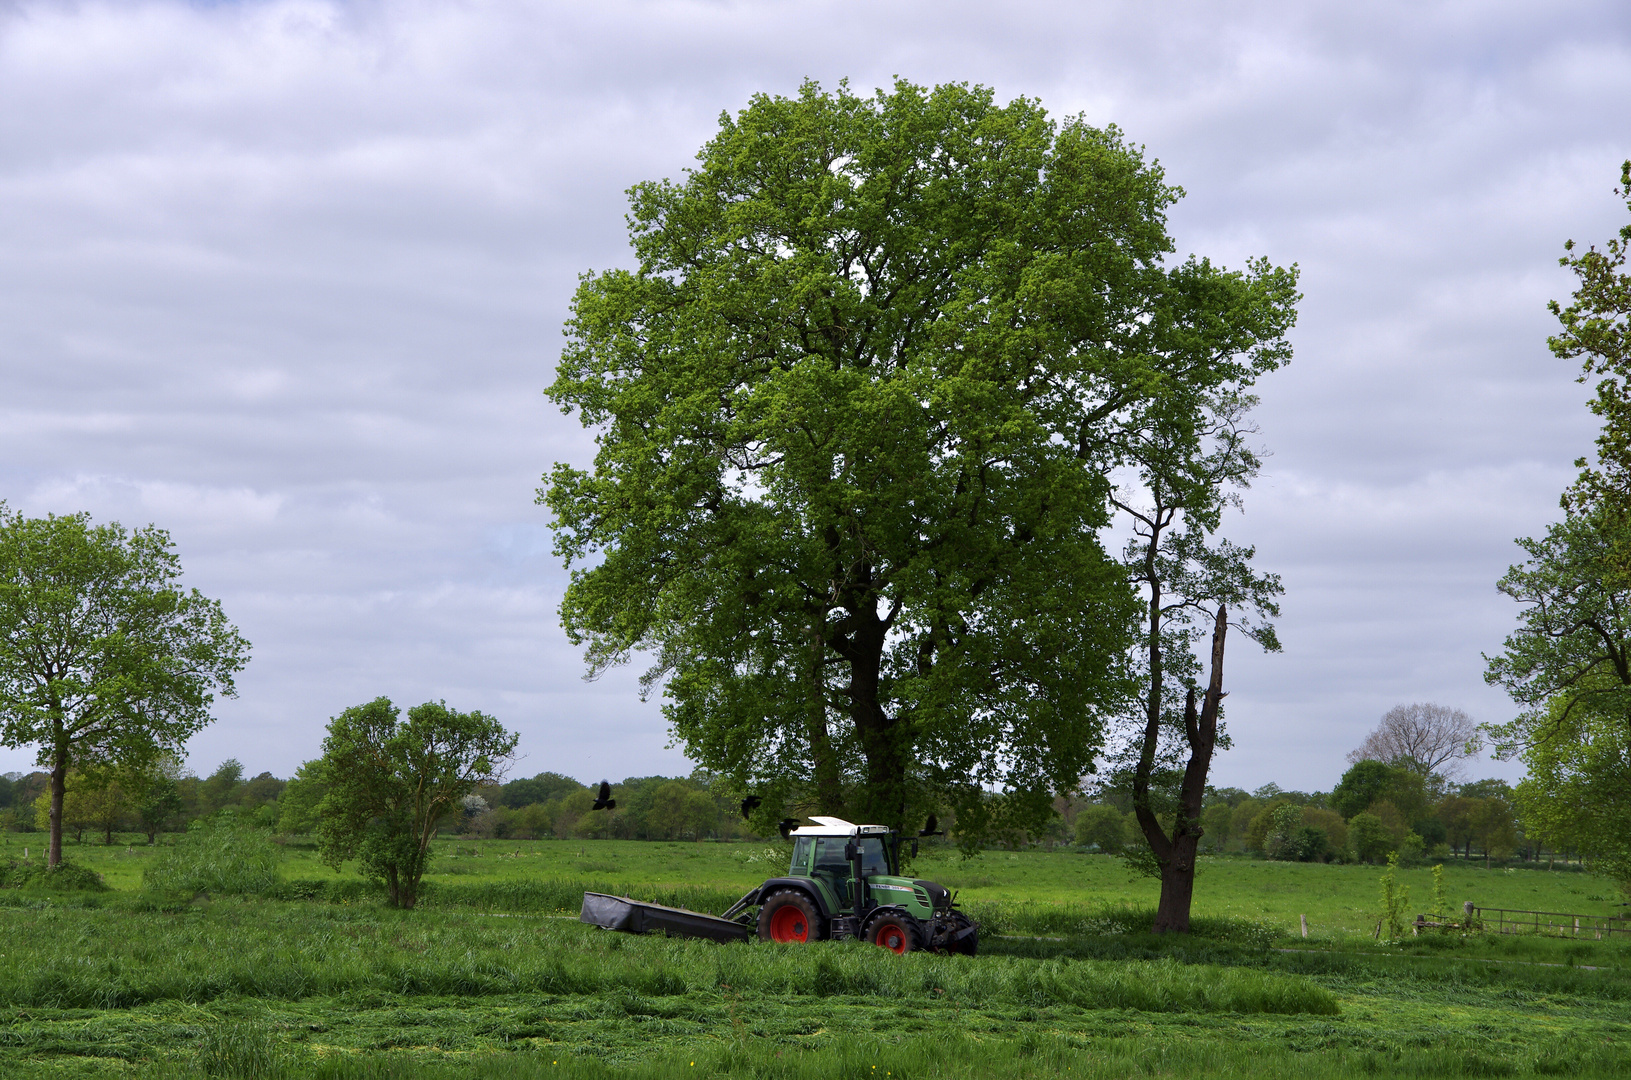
point(789, 924)
point(892, 937)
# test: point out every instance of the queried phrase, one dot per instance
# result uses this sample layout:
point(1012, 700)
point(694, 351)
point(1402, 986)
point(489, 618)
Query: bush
point(222, 856)
point(65, 876)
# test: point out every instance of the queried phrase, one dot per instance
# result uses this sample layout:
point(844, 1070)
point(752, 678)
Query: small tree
point(104, 659)
point(1104, 826)
point(297, 805)
point(1369, 839)
point(391, 782)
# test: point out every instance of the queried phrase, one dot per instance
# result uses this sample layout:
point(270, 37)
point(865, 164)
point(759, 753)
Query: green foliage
point(104, 658)
point(1369, 839)
point(1566, 665)
point(1395, 898)
point(390, 783)
point(158, 804)
point(1577, 791)
point(1280, 838)
point(1597, 327)
point(63, 877)
point(538, 789)
point(222, 855)
point(1367, 783)
point(298, 802)
point(1103, 826)
point(218, 787)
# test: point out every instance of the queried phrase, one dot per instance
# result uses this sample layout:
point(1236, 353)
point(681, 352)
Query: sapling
point(1394, 899)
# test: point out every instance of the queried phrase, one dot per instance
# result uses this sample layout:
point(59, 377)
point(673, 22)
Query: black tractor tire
point(968, 946)
point(790, 917)
point(895, 931)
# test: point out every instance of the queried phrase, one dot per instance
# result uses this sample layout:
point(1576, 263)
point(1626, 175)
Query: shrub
point(65, 876)
point(223, 856)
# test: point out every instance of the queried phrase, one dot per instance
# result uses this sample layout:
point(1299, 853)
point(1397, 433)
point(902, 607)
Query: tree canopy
point(1424, 737)
point(1568, 665)
point(856, 409)
point(1596, 330)
point(104, 658)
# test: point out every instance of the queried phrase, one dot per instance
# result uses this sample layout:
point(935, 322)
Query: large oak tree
point(856, 410)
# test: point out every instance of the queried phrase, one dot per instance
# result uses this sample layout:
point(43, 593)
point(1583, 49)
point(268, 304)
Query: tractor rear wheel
point(789, 917)
point(896, 932)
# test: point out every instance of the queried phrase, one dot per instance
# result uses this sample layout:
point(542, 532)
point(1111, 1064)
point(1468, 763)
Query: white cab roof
point(832, 826)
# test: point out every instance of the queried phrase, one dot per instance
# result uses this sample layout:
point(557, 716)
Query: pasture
point(489, 979)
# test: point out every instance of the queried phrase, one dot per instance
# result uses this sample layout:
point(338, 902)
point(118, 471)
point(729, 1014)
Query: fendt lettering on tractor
point(844, 882)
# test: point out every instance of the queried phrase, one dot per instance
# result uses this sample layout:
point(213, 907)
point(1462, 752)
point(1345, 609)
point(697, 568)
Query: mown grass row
point(252, 1052)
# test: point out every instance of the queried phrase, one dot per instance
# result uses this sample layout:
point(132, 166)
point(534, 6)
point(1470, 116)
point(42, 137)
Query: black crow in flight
point(604, 800)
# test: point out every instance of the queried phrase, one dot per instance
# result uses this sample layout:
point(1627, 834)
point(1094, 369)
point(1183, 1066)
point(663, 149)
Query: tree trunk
point(1177, 885)
point(828, 784)
point(883, 800)
point(59, 788)
point(1176, 855)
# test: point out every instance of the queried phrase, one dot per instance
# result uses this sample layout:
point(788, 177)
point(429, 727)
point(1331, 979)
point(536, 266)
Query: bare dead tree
point(1427, 738)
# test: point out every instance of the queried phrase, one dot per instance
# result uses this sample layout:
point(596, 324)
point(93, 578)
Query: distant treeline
point(543, 806)
point(1375, 811)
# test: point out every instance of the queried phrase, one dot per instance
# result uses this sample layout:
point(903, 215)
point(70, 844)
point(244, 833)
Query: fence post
point(1304, 918)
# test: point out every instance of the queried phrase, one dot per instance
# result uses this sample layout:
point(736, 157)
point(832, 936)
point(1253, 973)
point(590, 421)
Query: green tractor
point(845, 882)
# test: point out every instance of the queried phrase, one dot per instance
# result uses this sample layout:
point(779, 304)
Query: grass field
point(488, 978)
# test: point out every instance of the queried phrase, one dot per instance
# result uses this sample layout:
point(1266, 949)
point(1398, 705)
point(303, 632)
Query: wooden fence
point(1514, 921)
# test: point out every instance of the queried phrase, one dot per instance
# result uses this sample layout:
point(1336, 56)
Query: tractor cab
point(843, 856)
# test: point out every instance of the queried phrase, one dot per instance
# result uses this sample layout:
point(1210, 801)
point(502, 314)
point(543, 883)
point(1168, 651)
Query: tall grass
point(65, 960)
point(219, 856)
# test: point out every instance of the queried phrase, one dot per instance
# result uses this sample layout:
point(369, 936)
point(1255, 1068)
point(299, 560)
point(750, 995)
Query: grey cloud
point(288, 278)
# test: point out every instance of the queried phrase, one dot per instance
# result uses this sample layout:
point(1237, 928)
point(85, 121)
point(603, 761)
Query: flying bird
point(931, 826)
point(604, 800)
point(785, 826)
point(749, 805)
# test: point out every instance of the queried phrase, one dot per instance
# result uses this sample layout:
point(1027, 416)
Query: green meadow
point(494, 977)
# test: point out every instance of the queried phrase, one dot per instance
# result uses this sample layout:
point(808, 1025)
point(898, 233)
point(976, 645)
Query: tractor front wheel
point(969, 945)
point(897, 933)
point(788, 916)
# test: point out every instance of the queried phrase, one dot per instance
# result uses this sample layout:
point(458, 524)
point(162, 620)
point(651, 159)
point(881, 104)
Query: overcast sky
point(287, 279)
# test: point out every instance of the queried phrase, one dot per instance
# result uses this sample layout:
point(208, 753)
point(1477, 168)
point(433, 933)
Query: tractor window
point(830, 855)
point(801, 855)
point(829, 858)
point(873, 859)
